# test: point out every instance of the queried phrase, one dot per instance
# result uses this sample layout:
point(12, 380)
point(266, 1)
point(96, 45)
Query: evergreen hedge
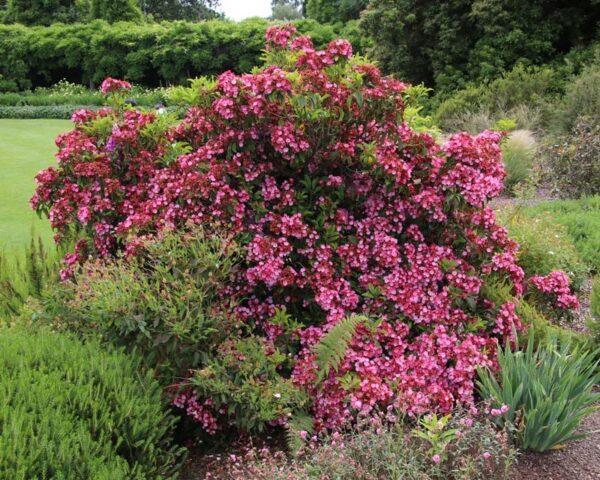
point(150, 54)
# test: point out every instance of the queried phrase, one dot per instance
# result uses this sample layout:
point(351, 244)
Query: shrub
point(166, 305)
point(150, 54)
point(50, 111)
point(518, 153)
point(472, 448)
point(126, 302)
point(548, 390)
point(71, 410)
point(29, 276)
point(572, 166)
point(338, 208)
point(517, 94)
point(581, 218)
point(581, 99)
point(544, 245)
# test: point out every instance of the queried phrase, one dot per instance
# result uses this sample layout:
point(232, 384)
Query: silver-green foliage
point(548, 389)
point(72, 411)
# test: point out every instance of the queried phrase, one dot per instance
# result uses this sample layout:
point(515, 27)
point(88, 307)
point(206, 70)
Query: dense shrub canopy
point(338, 207)
point(73, 410)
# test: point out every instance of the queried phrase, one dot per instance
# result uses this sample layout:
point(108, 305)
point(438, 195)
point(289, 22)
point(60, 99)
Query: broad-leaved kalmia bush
point(340, 207)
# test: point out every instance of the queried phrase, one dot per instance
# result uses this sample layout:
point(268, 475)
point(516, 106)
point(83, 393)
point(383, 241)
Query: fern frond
point(300, 422)
point(331, 349)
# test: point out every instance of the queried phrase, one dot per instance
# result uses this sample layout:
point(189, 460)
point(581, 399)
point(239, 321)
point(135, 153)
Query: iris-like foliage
point(549, 390)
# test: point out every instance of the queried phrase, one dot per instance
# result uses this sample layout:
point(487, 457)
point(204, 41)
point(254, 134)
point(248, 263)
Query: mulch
point(579, 460)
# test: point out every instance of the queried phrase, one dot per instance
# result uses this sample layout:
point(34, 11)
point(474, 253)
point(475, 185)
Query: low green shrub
point(26, 276)
point(548, 390)
point(518, 154)
point(163, 303)
point(545, 245)
point(166, 304)
point(72, 411)
point(66, 93)
point(572, 166)
point(433, 450)
point(49, 111)
point(581, 99)
point(517, 89)
point(581, 219)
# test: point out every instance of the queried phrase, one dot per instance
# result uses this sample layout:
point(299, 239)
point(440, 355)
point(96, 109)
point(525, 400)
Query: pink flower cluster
point(341, 208)
point(111, 85)
point(201, 412)
point(556, 285)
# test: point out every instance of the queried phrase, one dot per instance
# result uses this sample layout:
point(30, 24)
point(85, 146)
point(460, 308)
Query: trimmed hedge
point(47, 111)
point(151, 54)
point(70, 410)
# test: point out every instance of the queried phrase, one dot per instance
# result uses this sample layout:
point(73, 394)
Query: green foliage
point(581, 218)
point(151, 54)
point(115, 10)
point(435, 432)
point(505, 96)
point(544, 245)
point(45, 12)
point(594, 321)
point(66, 93)
point(572, 165)
point(581, 99)
point(546, 332)
point(548, 389)
point(244, 376)
point(163, 303)
point(71, 410)
point(518, 154)
point(331, 348)
point(21, 278)
point(373, 450)
point(58, 112)
point(415, 98)
point(192, 10)
point(505, 125)
point(448, 44)
point(332, 11)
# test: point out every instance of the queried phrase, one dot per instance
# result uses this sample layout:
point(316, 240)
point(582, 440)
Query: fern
point(300, 422)
point(331, 349)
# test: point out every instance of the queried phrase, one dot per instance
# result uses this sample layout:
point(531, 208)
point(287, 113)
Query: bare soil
point(579, 460)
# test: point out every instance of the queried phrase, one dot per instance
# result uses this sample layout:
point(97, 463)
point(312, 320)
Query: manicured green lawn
point(26, 147)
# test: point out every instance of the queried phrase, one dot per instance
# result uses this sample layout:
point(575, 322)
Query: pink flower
point(436, 459)
point(111, 85)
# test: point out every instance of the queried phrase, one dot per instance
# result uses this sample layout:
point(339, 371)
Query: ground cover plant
point(70, 410)
point(28, 144)
point(337, 207)
point(581, 218)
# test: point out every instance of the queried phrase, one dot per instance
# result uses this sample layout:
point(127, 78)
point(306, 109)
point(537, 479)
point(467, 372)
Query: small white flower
point(550, 252)
point(277, 395)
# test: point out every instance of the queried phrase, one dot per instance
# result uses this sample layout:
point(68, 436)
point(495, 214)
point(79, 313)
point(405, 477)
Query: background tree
point(180, 9)
point(43, 12)
point(115, 10)
point(447, 44)
point(287, 9)
point(331, 11)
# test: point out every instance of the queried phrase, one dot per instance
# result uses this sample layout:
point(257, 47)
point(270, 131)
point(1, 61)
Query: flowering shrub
point(339, 208)
point(556, 286)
